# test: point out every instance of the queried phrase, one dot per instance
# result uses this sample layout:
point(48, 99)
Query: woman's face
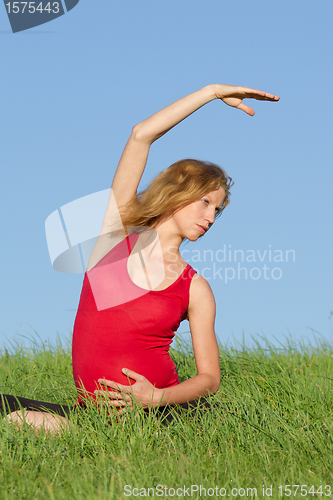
point(196, 218)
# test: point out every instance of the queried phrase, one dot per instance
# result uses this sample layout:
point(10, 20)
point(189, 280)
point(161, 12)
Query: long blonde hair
point(179, 185)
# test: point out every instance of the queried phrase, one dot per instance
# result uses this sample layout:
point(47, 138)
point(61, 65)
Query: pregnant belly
point(93, 362)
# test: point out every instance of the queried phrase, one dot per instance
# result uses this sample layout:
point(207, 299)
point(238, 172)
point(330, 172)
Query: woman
point(137, 287)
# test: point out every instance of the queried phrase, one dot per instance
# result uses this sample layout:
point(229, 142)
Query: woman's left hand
point(143, 392)
point(233, 96)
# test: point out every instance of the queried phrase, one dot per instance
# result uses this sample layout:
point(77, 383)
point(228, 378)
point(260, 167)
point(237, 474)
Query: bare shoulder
point(201, 294)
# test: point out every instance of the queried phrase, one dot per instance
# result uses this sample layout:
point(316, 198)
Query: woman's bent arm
point(133, 160)
point(201, 312)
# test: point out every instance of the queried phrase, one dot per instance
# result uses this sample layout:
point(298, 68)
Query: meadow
point(269, 435)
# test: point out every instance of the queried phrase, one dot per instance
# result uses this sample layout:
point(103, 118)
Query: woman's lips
point(203, 229)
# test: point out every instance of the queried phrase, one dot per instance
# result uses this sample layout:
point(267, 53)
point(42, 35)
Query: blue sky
point(73, 88)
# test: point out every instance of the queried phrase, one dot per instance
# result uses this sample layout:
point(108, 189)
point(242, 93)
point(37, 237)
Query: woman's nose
point(210, 216)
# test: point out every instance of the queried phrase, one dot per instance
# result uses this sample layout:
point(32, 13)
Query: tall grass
point(273, 427)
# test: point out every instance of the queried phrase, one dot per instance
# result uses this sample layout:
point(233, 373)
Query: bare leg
point(39, 420)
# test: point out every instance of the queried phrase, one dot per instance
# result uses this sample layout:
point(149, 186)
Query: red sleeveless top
point(120, 325)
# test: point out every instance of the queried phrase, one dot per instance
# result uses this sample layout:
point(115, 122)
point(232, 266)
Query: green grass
point(274, 427)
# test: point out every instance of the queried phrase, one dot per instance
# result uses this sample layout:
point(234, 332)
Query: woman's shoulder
point(200, 291)
point(199, 282)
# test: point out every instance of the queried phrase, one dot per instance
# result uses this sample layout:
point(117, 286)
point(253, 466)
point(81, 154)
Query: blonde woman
point(138, 288)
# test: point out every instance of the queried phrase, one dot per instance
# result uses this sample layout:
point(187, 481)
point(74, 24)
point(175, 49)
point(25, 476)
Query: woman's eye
point(205, 201)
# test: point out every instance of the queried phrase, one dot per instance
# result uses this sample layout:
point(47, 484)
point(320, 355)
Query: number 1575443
point(32, 7)
point(304, 490)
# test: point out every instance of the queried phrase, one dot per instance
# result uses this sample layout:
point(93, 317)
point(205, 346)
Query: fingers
point(272, 97)
point(258, 94)
point(114, 398)
point(231, 92)
point(237, 102)
point(129, 373)
point(119, 396)
point(113, 395)
point(264, 97)
point(245, 108)
point(113, 385)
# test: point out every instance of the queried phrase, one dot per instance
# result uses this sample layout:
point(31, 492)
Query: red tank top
point(120, 325)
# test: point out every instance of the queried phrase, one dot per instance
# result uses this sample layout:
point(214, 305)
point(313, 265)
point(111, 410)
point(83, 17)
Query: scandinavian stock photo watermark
point(227, 264)
point(123, 264)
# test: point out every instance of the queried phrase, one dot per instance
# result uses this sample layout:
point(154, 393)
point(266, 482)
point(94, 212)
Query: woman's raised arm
point(133, 160)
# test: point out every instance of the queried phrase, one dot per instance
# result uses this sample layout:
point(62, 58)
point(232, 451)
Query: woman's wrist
point(158, 397)
point(214, 89)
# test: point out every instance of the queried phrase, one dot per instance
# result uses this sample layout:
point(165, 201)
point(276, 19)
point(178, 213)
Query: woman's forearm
point(201, 385)
point(146, 394)
point(161, 122)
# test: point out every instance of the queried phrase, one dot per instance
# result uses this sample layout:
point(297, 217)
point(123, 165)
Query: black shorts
point(9, 404)
point(167, 413)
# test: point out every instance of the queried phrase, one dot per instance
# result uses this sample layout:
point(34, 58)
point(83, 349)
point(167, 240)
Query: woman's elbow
point(139, 134)
point(214, 384)
point(136, 131)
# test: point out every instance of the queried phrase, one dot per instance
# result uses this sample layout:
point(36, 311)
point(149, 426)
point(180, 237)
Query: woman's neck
point(169, 240)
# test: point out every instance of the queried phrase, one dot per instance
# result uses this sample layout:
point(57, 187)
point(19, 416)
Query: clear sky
point(72, 89)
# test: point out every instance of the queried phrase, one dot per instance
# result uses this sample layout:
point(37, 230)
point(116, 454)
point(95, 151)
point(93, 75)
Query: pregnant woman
point(137, 287)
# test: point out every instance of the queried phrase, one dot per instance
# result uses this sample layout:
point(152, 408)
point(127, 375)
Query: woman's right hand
point(234, 95)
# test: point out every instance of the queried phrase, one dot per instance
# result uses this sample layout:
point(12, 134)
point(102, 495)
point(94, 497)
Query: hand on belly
point(142, 392)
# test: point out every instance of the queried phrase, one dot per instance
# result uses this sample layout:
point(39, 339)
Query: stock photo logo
point(25, 15)
point(120, 267)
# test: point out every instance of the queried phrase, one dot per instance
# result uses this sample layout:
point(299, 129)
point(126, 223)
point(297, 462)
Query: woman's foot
point(39, 420)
